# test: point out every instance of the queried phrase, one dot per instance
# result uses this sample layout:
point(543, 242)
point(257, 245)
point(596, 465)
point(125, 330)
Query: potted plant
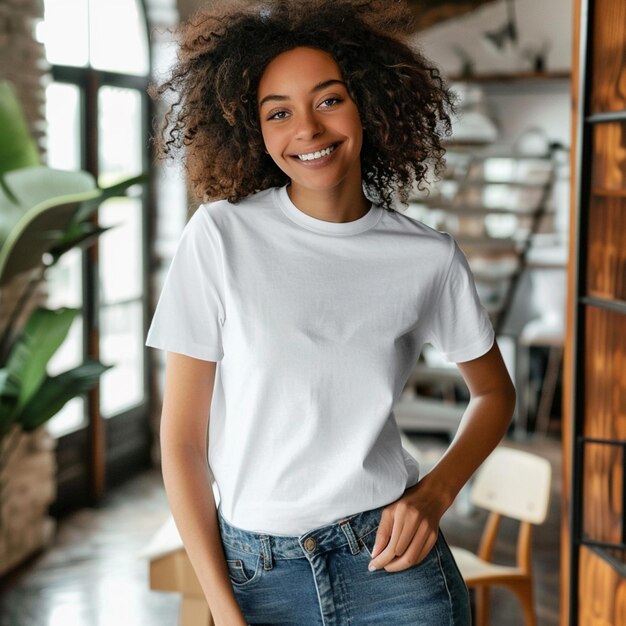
point(43, 213)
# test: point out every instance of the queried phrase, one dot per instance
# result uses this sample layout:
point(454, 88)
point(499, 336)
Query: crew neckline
point(363, 223)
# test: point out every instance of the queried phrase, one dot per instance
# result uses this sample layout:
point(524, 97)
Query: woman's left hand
point(409, 526)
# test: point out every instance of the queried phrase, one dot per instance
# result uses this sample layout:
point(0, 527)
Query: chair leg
point(524, 591)
point(481, 594)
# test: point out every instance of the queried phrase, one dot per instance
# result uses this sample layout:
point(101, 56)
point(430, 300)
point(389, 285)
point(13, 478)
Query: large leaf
point(42, 335)
point(38, 231)
point(82, 235)
point(11, 212)
point(33, 190)
point(34, 185)
point(56, 224)
point(119, 189)
point(17, 147)
point(55, 391)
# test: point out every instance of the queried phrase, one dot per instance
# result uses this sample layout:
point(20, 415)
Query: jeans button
point(309, 544)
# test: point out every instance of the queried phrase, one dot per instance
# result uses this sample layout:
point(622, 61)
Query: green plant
point(17, 146)
point(43, 213)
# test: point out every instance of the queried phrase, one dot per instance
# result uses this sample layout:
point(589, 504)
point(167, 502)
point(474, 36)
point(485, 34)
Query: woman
point(300, 121)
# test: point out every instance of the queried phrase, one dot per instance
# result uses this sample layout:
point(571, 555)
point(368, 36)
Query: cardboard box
point(171, 570)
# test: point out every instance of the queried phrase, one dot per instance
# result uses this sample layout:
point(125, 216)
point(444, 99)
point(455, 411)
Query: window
point(97, 114)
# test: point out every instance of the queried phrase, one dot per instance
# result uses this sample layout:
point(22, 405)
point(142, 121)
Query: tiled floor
point(91, 576)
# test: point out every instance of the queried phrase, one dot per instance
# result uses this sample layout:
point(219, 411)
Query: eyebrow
point(317, 87)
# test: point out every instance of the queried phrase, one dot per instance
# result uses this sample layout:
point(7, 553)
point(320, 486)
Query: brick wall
point(22, 58)
point(22, 61)
point(28, 484)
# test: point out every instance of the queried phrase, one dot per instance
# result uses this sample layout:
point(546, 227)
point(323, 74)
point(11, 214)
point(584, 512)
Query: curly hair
point(213, 120)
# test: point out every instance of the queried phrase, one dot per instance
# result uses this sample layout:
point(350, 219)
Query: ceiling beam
point(427, 12)
point(431, 12)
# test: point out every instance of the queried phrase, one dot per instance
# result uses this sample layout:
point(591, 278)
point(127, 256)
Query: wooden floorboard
point(91, 575)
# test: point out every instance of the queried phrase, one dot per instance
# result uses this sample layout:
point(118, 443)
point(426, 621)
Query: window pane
point(63, 126)
point(120, 279)
point(120, 134)
point(64, 289)
point(121, 344)
point(120, 253)
point(127, 53)
point(65, 32)
point(64, 280)
point(120, 250)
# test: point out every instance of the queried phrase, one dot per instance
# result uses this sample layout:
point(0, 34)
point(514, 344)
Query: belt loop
point(267, 552)
point(355, 548)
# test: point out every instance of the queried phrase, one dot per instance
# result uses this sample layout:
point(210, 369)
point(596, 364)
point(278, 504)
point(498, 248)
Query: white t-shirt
point(316, 326)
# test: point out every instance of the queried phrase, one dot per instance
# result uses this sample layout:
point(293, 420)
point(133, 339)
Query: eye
point(273, 116)
point(332, 99)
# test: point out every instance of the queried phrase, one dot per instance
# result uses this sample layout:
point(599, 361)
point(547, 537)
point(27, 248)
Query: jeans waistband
point(316, 541)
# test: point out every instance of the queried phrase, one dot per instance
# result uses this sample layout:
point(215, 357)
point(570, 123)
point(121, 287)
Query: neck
point(340, 204)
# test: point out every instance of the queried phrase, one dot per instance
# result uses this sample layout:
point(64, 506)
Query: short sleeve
point(459, 325)
point(190, 312)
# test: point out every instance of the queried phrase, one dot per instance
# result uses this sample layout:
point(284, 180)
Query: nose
point(308, 125)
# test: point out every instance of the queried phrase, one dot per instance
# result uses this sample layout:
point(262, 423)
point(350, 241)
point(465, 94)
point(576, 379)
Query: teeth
point(316, 155)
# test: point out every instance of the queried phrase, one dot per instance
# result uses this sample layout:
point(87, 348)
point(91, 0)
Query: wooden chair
point(515, 484)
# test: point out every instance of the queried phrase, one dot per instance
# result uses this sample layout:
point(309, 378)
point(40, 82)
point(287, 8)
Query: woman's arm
point(484, 423)
point(184, 427)
point(408, 527)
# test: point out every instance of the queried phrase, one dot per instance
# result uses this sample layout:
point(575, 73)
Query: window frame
point(105, 452)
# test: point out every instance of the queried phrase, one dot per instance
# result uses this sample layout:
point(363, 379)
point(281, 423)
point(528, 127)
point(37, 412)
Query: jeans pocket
point(367, 542)
point(244, 568)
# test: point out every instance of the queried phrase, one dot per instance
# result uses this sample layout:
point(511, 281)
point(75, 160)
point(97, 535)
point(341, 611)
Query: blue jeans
point(321, 578)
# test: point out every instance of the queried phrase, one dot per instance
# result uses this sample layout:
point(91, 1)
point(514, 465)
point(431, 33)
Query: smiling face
point(305, 108)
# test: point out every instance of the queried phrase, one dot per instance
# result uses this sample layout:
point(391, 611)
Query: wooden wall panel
point(607, 224)
point(595, 355)
point(601, 593)
point(606, 276)
point(604, 418)
point(608, 174)
point(608, 71)
point(602, 494)
point(605, 375)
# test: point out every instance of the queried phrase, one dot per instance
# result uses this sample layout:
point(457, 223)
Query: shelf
point(490, 279)
point(466, 201)
point(483, 182)
point(483, 151)
point(618, 306)
point(481, 211)
point(512, 78)
point(606, 116)
point(488, 243)
point(424, 374)
point(531, 265)
point(609, 193)
point(437, 205)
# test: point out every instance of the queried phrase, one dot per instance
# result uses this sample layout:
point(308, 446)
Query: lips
point(312, 151)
